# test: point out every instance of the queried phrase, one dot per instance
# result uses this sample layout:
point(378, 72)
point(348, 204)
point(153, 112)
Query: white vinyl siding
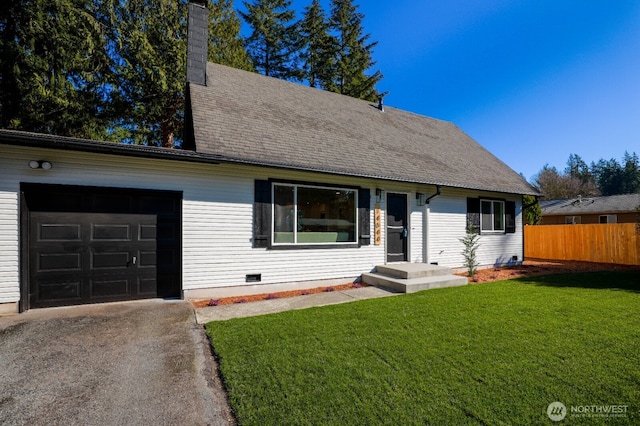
point(447, 222)
point(9, 247)
point(416, 223)
point(217, 219)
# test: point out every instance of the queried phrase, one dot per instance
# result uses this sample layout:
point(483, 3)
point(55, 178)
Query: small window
point(313, 215)
point(609, 218)
point(492, 216)
point(572, 220)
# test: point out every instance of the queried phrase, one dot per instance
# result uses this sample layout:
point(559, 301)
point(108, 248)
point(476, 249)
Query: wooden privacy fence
point(608, 243)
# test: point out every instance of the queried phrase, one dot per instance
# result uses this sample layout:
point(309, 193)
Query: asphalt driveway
point(133, 363)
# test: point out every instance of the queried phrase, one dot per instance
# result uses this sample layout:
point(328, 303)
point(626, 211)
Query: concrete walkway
point(241, 310)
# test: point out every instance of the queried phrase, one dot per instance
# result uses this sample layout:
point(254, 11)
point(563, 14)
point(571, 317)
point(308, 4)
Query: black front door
point(397, 228)
point(88, 245)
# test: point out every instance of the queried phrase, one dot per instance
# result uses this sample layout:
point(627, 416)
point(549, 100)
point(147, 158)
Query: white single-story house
point(277, 186)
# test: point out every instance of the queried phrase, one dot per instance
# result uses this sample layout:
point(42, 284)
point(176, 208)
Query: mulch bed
point(534, 267)
point(529, 268)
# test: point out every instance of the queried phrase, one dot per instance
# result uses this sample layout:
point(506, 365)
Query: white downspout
point(427, 210)
point(425, 245)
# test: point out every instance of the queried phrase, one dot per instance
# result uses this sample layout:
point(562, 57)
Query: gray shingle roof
point(246, 117)
point(585, 205)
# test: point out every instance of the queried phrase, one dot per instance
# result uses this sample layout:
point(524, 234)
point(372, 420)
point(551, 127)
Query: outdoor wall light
point(420, 198)
point(379, 193)
point(40, 164)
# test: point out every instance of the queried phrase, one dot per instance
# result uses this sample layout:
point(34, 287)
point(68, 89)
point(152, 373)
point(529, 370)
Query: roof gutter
point(37, 140)
point(10, 137)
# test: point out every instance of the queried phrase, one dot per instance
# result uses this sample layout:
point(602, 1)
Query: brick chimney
point(197, 43)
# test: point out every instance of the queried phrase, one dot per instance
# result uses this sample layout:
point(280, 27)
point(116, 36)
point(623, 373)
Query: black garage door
point(91, 245)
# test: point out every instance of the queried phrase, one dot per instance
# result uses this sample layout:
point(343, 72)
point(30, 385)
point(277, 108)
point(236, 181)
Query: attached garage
point(96, 244)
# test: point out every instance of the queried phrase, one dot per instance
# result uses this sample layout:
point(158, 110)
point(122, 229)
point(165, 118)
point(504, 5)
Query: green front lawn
point(496, 353)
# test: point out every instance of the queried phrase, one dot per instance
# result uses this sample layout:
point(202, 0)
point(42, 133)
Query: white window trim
point(295, 214)
point(504, 218)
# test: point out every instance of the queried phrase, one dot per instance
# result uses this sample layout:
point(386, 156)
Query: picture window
point(305, 214)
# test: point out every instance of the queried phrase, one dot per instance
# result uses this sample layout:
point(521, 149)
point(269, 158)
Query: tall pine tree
point(149, 42)
point(354, 54)
point(631, 173)
point(318, 47)
point(104, 69)
point(274, 42)
point(578, 173)
point(610, 176)
point(226, 47)
point(53, 68)
point(149, 45)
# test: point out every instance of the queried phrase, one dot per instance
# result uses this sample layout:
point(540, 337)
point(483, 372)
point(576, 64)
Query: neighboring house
point(278, 186)
point(584, 210)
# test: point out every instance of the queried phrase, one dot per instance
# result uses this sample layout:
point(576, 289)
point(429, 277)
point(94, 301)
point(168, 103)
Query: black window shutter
point(510, 217)
point(262, 214)
point(473, 214)
point(364, 207)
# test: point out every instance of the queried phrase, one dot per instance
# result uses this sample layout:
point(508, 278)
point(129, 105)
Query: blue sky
point(531, 80)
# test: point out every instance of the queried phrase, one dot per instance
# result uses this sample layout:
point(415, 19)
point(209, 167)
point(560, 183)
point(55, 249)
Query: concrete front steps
point(412, 277)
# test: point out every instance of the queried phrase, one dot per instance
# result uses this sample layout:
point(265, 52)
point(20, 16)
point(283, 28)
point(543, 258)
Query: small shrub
point(243, 300)
point(214, 302)
point(271, 297)
point(329, 289)
point(356, 285)
point(304, 293)
point(470, 242)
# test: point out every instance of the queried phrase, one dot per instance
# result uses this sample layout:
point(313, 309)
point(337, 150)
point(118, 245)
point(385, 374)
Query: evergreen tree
point(52, 68)
point(104, 69)
point(274, 42)
point(532, 210)
point(471, 243)
point(354, 53)
point(226, 47)
point(618, 178)
point(606, 177)
point(631, 173)
point(318, 48)
point(148, 41)
point(579, 176)
point(609, 175)
point(577, 168)
point(151, 62)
